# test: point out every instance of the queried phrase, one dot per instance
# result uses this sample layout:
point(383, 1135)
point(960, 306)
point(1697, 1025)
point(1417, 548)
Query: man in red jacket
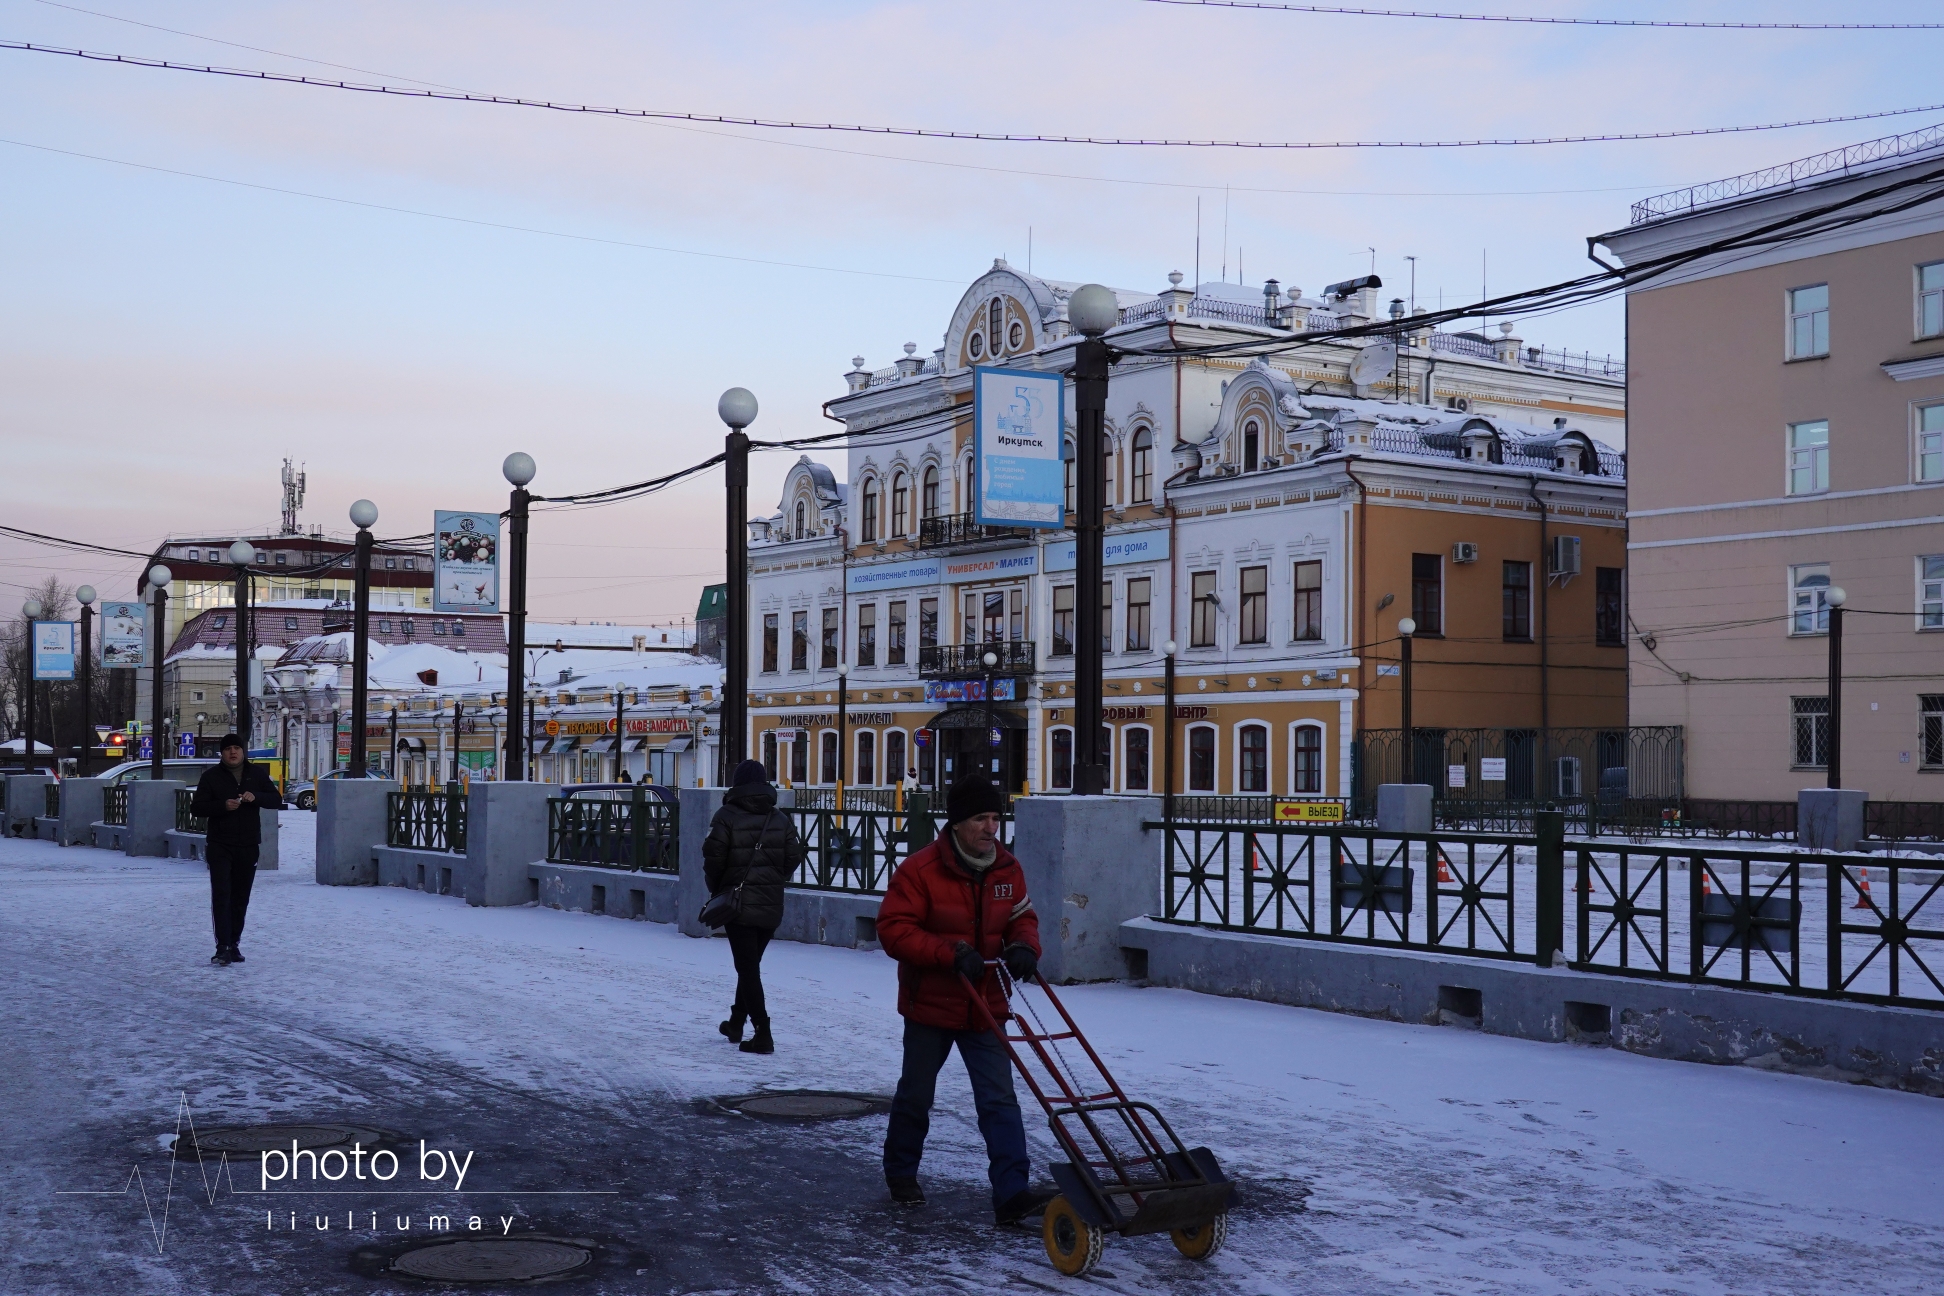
point(949, 908)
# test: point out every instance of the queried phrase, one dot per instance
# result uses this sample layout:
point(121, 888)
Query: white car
point(189, 771)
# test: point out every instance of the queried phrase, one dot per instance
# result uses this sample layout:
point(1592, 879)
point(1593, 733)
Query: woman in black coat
point(752, 846)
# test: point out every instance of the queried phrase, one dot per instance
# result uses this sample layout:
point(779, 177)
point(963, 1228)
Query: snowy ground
point(569, 1052)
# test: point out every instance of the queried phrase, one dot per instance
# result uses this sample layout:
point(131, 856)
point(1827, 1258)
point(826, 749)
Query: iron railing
point(114, 804)
point(1459, 344)
point(53, 799)
point(1533, 765)
point(429, 819)
point(858, 850)
point(967, 661)
point(638, 831)
point(1834, 926)
point(185, 821)
point(1904, 820)
point(825, 798)
point(1585, 362)
point(960, 528)
point(1834, 162)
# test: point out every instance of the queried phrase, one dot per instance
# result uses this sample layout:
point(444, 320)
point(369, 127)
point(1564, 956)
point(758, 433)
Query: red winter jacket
point(933, 903)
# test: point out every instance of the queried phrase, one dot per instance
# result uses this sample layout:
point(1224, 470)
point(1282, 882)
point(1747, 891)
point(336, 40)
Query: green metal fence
point(53, 791)
point(185, 821)
point(114, 804)
point(427, 820)
point(640, 833)
point(858, 850)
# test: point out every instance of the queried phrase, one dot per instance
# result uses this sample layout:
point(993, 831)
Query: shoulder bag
point(725, 907)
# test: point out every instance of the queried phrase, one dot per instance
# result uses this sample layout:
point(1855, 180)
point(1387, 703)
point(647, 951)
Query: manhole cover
point(252, 1140)
point(508, 1259)
point(804, 1105)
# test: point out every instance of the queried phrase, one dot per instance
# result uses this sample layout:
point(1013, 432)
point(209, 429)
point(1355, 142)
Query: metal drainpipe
point(1545, 680)
point(1363, 584)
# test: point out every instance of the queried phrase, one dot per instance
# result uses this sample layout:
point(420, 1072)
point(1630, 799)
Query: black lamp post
point(843, 736)
point(519, 470)
point(988, 660)
point(86, 597)
point(737, 408)
point(30, 614)
point(241, 555)
point(1168, 732)
point(392, 757)
point(620, 730)
point(1835, 599)
point(1405, 629)
point(364, 515)
point(159, 578)
point(1092, 310)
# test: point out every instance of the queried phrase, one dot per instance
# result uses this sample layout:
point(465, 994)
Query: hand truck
point(1126, 1171)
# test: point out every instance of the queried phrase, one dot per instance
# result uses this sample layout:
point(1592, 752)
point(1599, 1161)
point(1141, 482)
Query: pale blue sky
point(168, 340)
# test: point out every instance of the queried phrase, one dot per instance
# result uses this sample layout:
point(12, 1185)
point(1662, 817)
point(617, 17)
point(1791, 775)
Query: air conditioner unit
point(1460, 403)
point(1464, 552)
point(1565, 555)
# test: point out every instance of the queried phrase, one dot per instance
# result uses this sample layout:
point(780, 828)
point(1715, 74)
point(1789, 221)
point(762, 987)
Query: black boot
point(235, 954)
point(732, 1029)
point(906, 1192)
point(760, 1042)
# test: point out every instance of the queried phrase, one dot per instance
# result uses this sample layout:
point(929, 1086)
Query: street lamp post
point(458, 725)
point(1405, 629)
point(241, 555)
point(1092, 310)
point(1168, 732)
point(519, 470)
point(392, 755)
point(29, 614)
point(1836, 598)
point(989, 660)
point(159, 578)
point(843, 716)
point(737, 408)
point(86, 597)
point(364, 515)
point(620, 730)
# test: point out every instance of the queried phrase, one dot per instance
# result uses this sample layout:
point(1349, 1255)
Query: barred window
point(1930, 731)
point(1811, 717)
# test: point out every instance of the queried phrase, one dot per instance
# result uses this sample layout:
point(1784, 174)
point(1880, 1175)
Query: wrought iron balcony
point(967, 661)
point(960, 528)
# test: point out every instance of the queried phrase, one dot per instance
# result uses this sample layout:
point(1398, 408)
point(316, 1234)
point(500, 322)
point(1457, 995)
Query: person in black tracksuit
point(231, 797)
point(751, 845)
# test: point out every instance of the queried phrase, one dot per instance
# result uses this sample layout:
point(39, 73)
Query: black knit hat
point(973, 795)
point(750, 771)
point(229, 740)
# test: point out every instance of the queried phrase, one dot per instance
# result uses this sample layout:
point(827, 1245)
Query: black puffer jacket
point(752, 844)
point(242, 826)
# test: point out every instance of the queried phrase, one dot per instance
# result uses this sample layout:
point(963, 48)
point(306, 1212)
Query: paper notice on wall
point(1491, 769)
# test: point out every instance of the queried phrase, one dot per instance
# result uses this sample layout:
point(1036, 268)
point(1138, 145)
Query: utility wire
point(925, 132)
point(1548, 22)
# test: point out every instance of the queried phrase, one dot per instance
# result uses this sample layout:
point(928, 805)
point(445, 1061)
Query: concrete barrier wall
point(151, 816)
point(26, 801)
point(350, 826)
point(81, 809)
point(433, 872)
point(618, 893)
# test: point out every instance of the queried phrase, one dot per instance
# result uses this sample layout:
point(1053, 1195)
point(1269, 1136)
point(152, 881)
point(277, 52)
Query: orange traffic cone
point(1255, 858)
point(1444, 869)
point(1863, 892)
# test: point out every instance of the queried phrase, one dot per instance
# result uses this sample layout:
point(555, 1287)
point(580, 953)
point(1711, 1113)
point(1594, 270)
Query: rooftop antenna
point(293, 497)
point(1029, 249)
point(1413, 261)
point(1225, 214)
point(1373, 259)
point(1197, 284)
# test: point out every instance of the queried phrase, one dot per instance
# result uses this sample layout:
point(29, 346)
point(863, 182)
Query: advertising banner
point(941, 691)
point(124, 634)
point(865, 578)
point(1005, 565)
point(1115, 550)
point(1018, 419)
point(465, 562)
point(54, 649)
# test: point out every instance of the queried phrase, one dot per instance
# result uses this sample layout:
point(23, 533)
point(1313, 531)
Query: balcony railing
point(960, 528)
point(967, 661)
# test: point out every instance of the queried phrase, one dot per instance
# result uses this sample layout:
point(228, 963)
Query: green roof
point(715, 602)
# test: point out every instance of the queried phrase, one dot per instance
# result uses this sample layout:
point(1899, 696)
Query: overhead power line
point(1346, 11)
point(926, 132)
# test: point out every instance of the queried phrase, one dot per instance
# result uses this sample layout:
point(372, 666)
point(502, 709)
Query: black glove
point(967, 963)
point(1021, 962)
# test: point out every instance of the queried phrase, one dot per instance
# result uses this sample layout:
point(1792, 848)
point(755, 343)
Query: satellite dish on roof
point(1373, 363)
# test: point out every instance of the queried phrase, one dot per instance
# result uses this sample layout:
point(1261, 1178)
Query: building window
point(870, 510)
point(1140, 613)
point(1251, 446)
point(1930, 443)
point(1809, 599)
point(769, 755)
point(1809, 322)
point(1515, 599)
point(1427, 593)
point(407, 628)
point(866, 759)
point(439, 628)
point(1072, 481)
point(894, 644)
point(1253, 775)
point(1930, 729)
point(411, 564)
point(800, 759)
point(283, 559)
point(993, 615)
point(867, 635)
point(459, 629)
point(216, 622)
point(995, 323)
point(894, 756)
point(1930, 300)
point(1201, 758)
point(1811, 717)
point(969, 618)
point(1062, 772)
point(195, 695)
point(799, 641)
point(799, 520)
point(1255, 605)
point(290, 623)
point(900, 504)
point(832, 621)
point(1808, 457)
point(1308, 769)
point(928, 497)
point(1136, 761)
point(769, 643)
point(384, 627)
point(1309, 601)
point(828, 771)
point(1107, 617)
point(390, 563)
point(1930, 592)
point(1063, 620)
point(1141, 467)
point(928, 623)
point(1201, 626)
point(1609, 606)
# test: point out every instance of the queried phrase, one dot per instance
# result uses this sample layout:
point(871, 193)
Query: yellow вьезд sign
point(1309, 812)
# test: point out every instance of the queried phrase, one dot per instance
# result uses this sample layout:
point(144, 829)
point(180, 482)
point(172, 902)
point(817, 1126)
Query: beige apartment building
point(1786, 436)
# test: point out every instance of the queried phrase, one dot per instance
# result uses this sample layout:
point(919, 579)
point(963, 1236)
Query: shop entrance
point(961, 742)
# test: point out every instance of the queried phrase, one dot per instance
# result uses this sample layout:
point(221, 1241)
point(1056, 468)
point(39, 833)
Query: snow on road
point(572, 1049)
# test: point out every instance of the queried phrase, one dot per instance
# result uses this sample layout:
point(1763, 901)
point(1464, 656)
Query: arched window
point(900, 504)
point(828, 772)
point(870, 510)
point(1142, 467)
point(995, 323)
point(1253, 772)
point(1251, 446)
point(1072, 481)
point(895, 765)
point(1308, 767)
point(1061, 775)
point(769, 755)
point(1107, 497)
point(1135, 763)
point(966, 476)
point(799, 520)
point(866, 758)
point(1201, 758)
point(928, 499)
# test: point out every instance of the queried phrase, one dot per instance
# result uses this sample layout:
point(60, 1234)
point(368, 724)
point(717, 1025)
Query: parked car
point(303, 793)
point(189, 771)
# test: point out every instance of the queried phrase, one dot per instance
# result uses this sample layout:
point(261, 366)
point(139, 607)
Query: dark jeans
point(925, 1051)
point(232, 869)
point(746, 946)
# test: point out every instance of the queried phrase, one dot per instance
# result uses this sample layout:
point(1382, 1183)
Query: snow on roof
point(591, 635)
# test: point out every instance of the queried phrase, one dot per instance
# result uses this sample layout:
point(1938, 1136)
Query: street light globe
point(990, 660)
point(1168, 648)
point(1406, 627)
point(843, 670)
point(85, 595)
point(519, 468)
point(242, 553)
point(31, 608)
point(1093, 309)
point(364, 514)
point(737, 407)
point(1836, 596)
point(160, 576)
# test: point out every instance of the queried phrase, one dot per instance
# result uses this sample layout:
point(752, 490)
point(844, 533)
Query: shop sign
point(828, 720)
point(1004, 565)
point(1123, 713)
point(1309, 812)
point(1191, 713)
point(939, 691)
point(1115, 550)
point(662, 724)
point(868, 577)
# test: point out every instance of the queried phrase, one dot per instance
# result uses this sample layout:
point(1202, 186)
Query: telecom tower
point(293, 498)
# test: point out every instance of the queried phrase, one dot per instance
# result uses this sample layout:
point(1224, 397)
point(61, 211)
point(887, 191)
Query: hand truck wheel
point(1203, 1240)
point(1072, 1244)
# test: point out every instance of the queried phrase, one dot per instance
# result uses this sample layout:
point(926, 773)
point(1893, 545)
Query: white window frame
point(877, 756)
point(1817, 461)
point(1927, 443)
point(1153, 774)
point(1188, 761)
point(1323, 757)
point(1930, 302)
point(1809, 599)
point(1268, 754)
point(1073, 758)
point(1806, 318)
point(884, 745)
point(1930, 593)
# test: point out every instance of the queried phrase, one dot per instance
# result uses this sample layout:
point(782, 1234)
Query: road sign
point(551, 728)
point(1309, 812)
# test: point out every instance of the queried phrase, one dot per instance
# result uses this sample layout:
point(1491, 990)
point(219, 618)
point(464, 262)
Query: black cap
point(229, 740)
point(750, 771)
point(973, 795)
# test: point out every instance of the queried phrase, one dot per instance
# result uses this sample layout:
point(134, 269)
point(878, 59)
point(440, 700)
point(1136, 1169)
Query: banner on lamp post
point(124, 635)
point(465, 562)
point(1019, 421)
point(54, 649)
